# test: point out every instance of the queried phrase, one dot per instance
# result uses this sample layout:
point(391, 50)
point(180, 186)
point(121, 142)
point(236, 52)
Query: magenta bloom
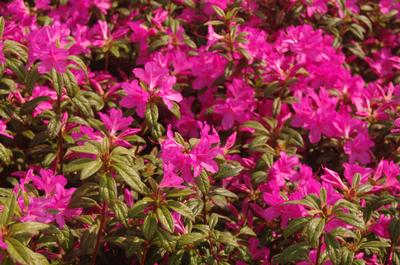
point(238, 105)
point(159, 84)
point(135, 97)
point(358, 149)
point(396, 126)
point(181, 164)
point(118, 126)
point(278, 209)
point(381, 227)
point(3, 130)
point(53, 205)
point(284, 169)
point(47, 45)
point(333, 178)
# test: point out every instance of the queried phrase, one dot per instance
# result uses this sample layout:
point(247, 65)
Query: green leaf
point(181, 209)
point(219, 11)
point(131, 177)
point(276, 107)
point(347, 256)
point(151, 117)
point(87, 149)
point(91, 168)
point(333, 248)
point(190, 238)
point(295, 226)
point(165, 240)
point(293, 253)
point(23, 255)
point(227, 238)
point(58, 81)
point(374, 245)
point(315, 228)
point(83, 104)
point(54, 127)
point(357, 30)
point(394, 228)
point(2, 24)
point(5, 154)
point(108, 188)
point(76, 165)
point(81, 197)
point(179, 193)
point(81, 64)
point(9, 206)
point(351, 219)
point(258, 127)
point(203, 182)
point(121, 211)
point(165, 218)
point(309, 201)
point(139, 207)
point(151, 114)
point(31, 77)
point(71, 84)
point(225, 193)
point(17, 49)
point(176, 110)
point(150, 226)
point(30, 228)
point(228, 170)
point(294, 136)
point(247, 231)
point(323, 196)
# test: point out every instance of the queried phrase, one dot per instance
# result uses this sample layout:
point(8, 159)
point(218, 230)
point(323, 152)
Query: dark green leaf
point(165, 218)
point(190, 238)
point(295, 226)
point(150, 226)
point(181, 209)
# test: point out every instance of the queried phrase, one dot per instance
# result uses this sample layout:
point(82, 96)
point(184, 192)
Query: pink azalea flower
point(159, 84)
point(259, 252)
point(178, 162)
point(179, 227)
point(358, 149)
point(396, 126)
point(238, 105)
point(53, 206)
point(381, 227)
point(47, 181)
point(116, 122)
point(43, 91)
point(3, 130)
point(277, 208)
point(207, 67)
point(128, 197)
point(389, 171)
point(47, 45)
point(135, 97)
point(316, 6)
point(284, 169)
point(333, 178)
point(186, 125)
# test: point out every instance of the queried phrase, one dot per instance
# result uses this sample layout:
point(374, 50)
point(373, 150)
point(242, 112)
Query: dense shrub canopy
point(200, 132)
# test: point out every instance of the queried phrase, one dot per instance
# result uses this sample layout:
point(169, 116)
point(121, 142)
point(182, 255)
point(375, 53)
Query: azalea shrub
point(216, 132)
